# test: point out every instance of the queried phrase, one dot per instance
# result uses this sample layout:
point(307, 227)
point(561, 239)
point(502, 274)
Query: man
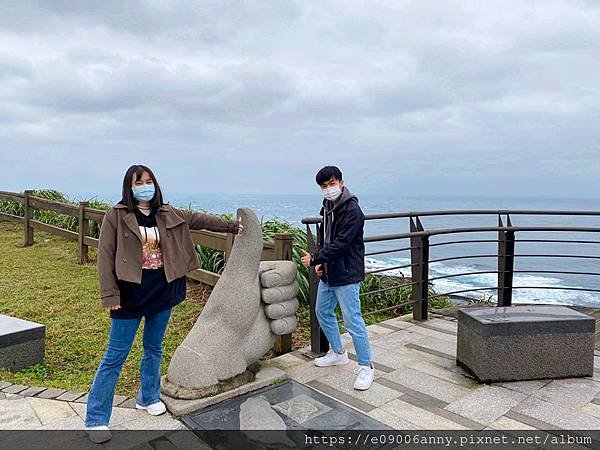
point(339, 263)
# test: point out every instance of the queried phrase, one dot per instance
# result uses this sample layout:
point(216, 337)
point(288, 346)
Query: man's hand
point(115, 307)
point(319, 270)
point(306, 259)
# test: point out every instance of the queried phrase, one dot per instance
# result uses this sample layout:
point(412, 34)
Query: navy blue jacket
point(343, 256)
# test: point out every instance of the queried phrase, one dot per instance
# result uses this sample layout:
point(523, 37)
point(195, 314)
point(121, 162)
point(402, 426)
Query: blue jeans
point(122, 333)
point(347, 297)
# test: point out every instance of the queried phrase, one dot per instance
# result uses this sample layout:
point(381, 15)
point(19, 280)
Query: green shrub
point(214, 260)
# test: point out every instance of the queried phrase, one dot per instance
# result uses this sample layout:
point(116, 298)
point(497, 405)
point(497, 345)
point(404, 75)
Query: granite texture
point(16, 331)
point(22, 355)
point(233, 330)
point(266, 376)
point(514, 320)
point(549, 343)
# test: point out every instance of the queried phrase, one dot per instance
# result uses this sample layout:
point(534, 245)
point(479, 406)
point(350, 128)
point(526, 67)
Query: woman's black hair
point(326, 173)
point(127, 197)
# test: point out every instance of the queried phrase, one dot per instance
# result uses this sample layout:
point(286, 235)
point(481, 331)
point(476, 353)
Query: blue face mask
point(143, 193)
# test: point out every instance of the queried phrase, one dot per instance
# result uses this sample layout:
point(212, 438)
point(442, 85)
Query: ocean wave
point(547, 293)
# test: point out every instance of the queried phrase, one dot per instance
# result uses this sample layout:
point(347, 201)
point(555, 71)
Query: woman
point(145, 250)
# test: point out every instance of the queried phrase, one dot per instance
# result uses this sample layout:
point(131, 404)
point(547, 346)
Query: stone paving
point(23, 408)
point(419, 386)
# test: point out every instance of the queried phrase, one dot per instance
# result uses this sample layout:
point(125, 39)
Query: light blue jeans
point(348, 298)
point(122, 333)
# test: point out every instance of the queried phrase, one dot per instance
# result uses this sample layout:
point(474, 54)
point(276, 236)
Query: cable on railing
point(389, 308)
point(390, 268)
point(559, 241)
point(437, 244)
point(482, 272)
point(381, 252)
point(420, 246)
point(389, 288)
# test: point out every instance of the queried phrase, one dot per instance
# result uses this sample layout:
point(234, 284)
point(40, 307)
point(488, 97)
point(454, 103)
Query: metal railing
point(417, 242)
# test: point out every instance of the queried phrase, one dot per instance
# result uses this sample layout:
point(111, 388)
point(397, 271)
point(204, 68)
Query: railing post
point(84, 227)
point(318, 341)
point(28, 216)
point(506, 263)
point(230, 238)
point(419, 258)
point(283, 251)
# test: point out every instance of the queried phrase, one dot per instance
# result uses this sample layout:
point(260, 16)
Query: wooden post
point(229, 245)
point(84, 227)
point(283, 246)
point(28, 216)
point(283, 251)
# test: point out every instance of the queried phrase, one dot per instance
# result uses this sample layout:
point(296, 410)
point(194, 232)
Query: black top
point(342, 248)
point(153, 294)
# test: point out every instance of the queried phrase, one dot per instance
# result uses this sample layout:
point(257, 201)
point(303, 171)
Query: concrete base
point(22, 343)
point(525, 343)
point(266, 376)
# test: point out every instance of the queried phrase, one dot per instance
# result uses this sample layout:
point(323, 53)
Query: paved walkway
point(21, 412)
point(419, 386)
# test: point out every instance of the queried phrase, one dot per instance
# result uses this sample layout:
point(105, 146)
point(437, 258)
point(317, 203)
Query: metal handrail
point(464, 212)
point(506, 241)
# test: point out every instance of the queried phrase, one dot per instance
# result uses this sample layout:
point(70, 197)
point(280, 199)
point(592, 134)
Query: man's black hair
point(128, 199)
point(326, 173)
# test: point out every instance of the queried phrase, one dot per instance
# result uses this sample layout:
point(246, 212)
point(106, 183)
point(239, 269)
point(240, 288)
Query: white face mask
point(332, 193)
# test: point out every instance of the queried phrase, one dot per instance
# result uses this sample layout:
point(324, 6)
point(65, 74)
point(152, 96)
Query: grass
point(44, 284)
point(214, 260)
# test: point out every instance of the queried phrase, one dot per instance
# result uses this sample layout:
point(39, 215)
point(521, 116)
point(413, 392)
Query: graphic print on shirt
point(151, 252)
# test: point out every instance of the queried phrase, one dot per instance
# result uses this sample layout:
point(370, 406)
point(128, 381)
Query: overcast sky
point(407, 97)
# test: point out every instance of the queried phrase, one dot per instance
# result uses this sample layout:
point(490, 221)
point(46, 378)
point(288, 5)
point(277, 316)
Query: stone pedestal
point(265, 376)
point(525, 343)
point(21, 343)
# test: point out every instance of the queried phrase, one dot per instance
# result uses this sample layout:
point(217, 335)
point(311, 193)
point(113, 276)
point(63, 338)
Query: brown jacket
point(120, 245)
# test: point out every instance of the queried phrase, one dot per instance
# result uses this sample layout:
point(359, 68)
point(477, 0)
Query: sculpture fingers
point(280, 293)
point(284, 325)
point(277, 273)
point(283, 309)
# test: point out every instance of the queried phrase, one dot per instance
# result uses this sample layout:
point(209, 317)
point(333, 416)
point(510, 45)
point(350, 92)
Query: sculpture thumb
point(216, 348)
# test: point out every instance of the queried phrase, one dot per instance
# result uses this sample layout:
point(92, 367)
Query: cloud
point(493, 90)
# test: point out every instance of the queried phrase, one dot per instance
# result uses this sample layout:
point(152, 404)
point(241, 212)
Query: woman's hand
point(115, 307)
point(240, 227)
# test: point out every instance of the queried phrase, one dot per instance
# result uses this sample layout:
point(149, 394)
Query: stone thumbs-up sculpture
point(250, 305)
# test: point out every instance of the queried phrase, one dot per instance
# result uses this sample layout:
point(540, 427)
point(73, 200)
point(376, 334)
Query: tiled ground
point(38, 413)
point(419, 386)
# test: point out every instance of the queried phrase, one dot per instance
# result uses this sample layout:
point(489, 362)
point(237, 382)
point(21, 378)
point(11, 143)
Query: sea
point(536, 279)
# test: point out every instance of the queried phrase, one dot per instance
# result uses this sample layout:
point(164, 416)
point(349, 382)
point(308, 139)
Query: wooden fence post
point(229, 245)
point(283, 251)
point(84, 227)
point(28, 216)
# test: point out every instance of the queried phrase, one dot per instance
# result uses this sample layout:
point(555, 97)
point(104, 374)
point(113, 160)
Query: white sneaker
point(155, 409)
point(332, 359)
point(98, 434)
point(364, 377)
